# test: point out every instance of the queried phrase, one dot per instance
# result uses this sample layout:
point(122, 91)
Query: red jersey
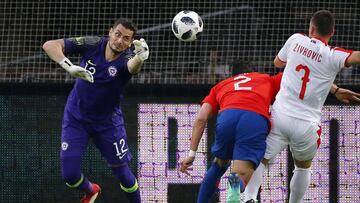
point(249, 91)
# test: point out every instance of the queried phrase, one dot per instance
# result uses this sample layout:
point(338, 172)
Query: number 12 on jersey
point(305, 79)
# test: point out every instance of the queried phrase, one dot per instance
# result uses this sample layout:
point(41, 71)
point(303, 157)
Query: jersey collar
point(321, 40)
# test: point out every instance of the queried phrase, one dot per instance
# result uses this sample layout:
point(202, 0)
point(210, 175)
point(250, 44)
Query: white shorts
point(303, 137)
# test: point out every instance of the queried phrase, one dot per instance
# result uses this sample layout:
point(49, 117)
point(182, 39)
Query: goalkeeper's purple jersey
point(99, 100)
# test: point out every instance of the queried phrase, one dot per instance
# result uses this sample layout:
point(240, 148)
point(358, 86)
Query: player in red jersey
point(242, 104)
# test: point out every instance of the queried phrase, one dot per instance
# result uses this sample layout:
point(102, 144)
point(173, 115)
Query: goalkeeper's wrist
point(138, 59)
point(192, 153)
point(65, 63)
point(141, 57)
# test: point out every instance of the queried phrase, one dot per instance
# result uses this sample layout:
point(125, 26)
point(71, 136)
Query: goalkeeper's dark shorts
point(109, 137)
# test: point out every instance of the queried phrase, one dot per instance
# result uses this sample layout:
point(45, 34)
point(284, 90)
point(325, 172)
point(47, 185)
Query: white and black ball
point(187, 25)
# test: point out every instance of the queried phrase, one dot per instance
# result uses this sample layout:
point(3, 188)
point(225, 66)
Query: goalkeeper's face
point(120, 38)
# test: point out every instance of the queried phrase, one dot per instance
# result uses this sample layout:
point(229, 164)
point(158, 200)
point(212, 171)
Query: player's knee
point(302, 170)
point(265, 161)
point(303, 164)
point(243, 172)
point(71, 177)
point(243, 169)
point(70, 169)
point(222, 163)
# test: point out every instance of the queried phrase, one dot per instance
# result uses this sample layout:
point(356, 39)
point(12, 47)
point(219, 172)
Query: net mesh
point(247, 30)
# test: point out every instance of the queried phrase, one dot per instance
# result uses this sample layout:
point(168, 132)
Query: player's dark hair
point(127, 23)
point(324, 22)
point(240, 66)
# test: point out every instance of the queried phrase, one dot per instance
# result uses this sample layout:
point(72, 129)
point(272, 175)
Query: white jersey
point(311, 68)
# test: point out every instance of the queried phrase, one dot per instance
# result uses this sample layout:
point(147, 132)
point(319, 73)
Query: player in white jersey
point(311, 66)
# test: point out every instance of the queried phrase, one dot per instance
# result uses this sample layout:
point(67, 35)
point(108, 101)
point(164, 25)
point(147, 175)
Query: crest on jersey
point(112, 71)
point(64, 146)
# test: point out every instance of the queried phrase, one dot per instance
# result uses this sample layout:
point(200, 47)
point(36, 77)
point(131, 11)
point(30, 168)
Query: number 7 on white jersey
point(305, 79)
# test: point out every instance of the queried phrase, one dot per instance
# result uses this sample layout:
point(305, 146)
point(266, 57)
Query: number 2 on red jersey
point(305, 79)
point(242, 79)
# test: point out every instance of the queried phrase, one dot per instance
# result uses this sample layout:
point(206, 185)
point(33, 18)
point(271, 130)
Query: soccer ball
point(187, 25)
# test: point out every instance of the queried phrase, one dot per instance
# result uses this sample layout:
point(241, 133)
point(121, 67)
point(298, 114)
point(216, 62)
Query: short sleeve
point(282, 55)
point(211, 99)
point(340, 57)
point(78, 45)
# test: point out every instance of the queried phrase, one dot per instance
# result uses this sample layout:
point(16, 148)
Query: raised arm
point(55, 50)
point(141, 54)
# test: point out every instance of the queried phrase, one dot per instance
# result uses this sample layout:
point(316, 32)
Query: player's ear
point(332, 33)
point(311, 30)
point(110, 31)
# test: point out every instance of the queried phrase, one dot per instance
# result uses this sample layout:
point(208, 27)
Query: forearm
point(197, 132)
point(141, 54)
point(278, 63)
point(334, 88)
point(134, 64)
point(54, 49)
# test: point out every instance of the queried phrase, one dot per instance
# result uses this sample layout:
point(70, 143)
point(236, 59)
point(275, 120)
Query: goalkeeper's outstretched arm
point(141, 54)
point(55, 50)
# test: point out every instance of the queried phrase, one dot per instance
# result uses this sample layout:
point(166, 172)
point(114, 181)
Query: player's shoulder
point(298, 36)
point(340, 49)
point(257, 75)
point(86, 40)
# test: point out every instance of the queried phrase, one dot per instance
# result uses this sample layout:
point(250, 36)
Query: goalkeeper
point(93, 106)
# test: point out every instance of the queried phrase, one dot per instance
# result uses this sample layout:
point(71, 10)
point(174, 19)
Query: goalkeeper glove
point(76, 71)
point(141, 49)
